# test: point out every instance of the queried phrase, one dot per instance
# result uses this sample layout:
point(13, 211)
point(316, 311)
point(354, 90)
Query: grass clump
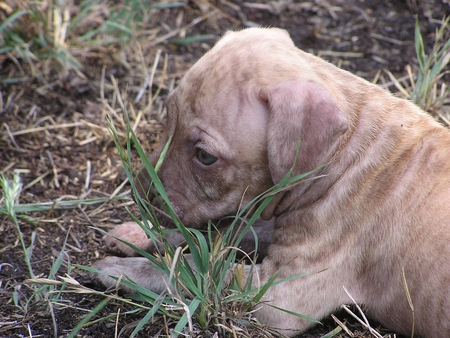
point(38, 31)
point(426, 92)
point(426, 88)
point(214, 293)
point(41, 294)
point(35, 31)
point(37, 292)
point(11, 190)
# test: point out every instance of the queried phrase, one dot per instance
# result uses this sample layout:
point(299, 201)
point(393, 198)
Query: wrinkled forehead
point(231, 74)
point(215, 105)
point(250, 58)
point(205, 92)
point(213, 81)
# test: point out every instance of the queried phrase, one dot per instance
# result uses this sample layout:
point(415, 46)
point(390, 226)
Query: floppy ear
point(302, 111)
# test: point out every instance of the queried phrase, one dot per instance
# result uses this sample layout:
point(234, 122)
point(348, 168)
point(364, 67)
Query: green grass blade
point(163, 5)
point(11, 19)
point(86, 318)
point(295, 314)
point(85, 7)
point(159, 189)
point(333, 333)
point(150, 314)
point(187, 315)
point(192, 39)
point(203, 251)
point(420, 50)
point(119, 27)
point(265, 287)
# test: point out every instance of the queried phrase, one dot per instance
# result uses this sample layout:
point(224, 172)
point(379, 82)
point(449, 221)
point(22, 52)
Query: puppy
point(373, 213)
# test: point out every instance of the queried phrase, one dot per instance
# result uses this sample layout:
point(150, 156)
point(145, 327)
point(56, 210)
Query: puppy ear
point(302, 111)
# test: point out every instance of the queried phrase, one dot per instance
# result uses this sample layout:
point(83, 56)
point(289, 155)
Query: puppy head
point(235, 120)
point(217, 159)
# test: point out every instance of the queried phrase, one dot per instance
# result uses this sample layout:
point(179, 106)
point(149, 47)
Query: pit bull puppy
point(373, 213)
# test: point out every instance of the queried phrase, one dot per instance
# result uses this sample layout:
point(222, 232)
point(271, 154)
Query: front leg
point(132, 232)
point(138, 269)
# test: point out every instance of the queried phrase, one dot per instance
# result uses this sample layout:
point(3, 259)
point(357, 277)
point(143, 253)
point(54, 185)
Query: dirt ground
point(53, 130)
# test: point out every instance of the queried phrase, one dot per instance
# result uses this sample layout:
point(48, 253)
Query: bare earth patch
point(53, 130)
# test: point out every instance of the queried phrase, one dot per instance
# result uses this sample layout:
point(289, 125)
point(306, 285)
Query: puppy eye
point(204, 157)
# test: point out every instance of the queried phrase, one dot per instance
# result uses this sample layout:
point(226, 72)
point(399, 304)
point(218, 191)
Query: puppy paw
point(130, 232)
point(136, 269)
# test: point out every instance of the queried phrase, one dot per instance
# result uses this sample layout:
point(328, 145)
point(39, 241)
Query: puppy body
point(373, 213)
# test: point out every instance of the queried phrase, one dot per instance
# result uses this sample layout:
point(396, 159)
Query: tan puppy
point(379, 207)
